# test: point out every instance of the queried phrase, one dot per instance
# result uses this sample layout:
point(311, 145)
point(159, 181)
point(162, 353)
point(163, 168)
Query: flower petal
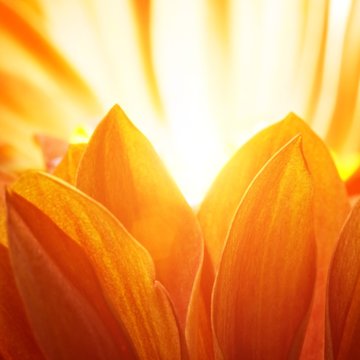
point(264, 286)
point(56, 93)
point(15, 24)
point(123, 268)
point(68, 167)
point(353, 183)
point(198, 330)
point(64, 259)
point(331, 203)
point(121, 170)
point(64, 323)
point(343, 312)
point(16, 338)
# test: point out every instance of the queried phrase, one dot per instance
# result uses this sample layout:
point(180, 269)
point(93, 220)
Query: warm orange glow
point(197, 77)
point(103, 256)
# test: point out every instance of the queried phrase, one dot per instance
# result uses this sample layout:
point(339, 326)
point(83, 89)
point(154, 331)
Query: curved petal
point(331, 204)
point(123, 268)
point(64, 265)
point(264, 286)
point(330, 199)
point(198, 331)
point(68, 167)
point(40, 91)
point(121, 170)
point(16, 25)
point(16, 338)
point(343, 338)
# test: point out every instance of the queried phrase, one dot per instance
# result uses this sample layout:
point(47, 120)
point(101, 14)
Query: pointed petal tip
point(263, 269)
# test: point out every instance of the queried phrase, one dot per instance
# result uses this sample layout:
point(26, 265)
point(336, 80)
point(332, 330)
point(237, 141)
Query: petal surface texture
point(114, 266)
point(344, 293)
point(264, 286)
point(68, 167)
point(16, 338)
point(121, 170)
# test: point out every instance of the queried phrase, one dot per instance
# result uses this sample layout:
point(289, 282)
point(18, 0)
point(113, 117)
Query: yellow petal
point(68, 167)
point(123, 268)
point(343, 337)
point(264, 286)
point(121, 170)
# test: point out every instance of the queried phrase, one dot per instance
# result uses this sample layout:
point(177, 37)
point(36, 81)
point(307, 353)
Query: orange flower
point(104, 259)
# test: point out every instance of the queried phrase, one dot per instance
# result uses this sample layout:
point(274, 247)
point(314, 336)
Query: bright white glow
point(339, 12)
point(216, 90)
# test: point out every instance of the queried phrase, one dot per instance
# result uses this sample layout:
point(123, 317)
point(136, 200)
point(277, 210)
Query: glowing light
point(346, 164)
point(81, 134)
point(199, 77)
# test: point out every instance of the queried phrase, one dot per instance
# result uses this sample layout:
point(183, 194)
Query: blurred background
point(198, 77)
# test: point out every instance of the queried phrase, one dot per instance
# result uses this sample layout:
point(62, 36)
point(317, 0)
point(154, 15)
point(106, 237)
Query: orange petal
point(68, 167)
point(123, 268)
point(264, 286)
point(198, 332)
point(331, 203)
point(344, 293)
point(121, 170)
point(16, 338)
point(74, 267)
point(16, 25)
point(353, 184)
point(5, 179)
point(64, 323)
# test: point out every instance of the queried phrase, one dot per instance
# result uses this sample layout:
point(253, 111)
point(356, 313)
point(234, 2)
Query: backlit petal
point(121, 170)
point(40, 90)
point(68, 167)
point(344, 293)
point(264, 286)
point(123, 268)
point(331, 204)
